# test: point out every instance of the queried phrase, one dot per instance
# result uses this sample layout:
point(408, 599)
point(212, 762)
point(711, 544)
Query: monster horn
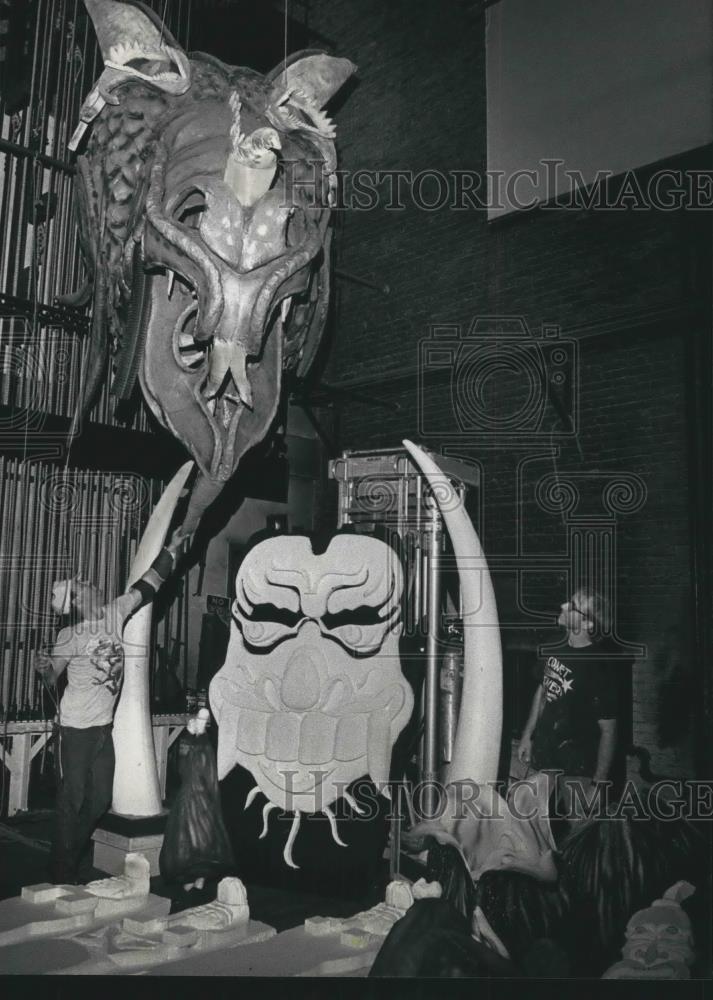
point(477, 745)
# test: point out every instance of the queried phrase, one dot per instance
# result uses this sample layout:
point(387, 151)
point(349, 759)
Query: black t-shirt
point(579, 689)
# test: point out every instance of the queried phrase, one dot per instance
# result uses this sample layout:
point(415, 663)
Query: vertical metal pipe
point(430, 737)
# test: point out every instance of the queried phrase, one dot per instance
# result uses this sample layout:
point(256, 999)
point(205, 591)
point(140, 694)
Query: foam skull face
point(311, 695)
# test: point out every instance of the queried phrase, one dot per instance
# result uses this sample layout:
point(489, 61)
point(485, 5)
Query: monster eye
point(367, 614)
point(271, 613)
point(296, 228)
point(189, 208)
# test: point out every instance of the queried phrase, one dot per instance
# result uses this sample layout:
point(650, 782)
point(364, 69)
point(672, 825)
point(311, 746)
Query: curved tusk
point(137, 790)
point(477, 745)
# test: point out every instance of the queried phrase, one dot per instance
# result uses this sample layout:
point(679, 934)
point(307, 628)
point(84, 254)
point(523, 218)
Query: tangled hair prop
point(445, 864)
point(611, 868)
point(522, 910)
point(434, 940)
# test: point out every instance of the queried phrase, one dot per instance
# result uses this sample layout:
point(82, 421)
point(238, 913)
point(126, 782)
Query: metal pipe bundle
point(39, 247)
point(58, 522)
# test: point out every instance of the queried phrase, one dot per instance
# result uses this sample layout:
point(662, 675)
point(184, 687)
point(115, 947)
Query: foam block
point(43, 892)
point(145, 925)
point(321, 926)
point(180, 936)
point(357, 937)
point(77, 902)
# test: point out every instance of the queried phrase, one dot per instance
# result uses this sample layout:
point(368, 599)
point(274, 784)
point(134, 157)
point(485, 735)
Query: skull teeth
point(317, 739)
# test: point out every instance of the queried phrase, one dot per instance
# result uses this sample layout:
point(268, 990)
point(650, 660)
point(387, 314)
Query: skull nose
point(300, 688)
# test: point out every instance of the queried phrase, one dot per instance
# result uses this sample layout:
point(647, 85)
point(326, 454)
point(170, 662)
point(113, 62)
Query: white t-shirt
point(96, 665)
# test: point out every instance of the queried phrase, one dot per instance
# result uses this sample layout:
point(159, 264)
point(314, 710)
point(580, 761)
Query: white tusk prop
point(137, 791)
point(477, 745)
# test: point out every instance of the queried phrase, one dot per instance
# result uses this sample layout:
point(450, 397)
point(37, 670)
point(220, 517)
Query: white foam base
point(49, 911)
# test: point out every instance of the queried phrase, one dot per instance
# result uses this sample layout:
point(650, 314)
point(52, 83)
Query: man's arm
point(607, 747)
point(524, 750)
point(50, 667)
point(144, 590)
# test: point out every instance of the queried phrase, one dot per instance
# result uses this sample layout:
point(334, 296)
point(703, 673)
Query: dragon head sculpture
point(204, 196)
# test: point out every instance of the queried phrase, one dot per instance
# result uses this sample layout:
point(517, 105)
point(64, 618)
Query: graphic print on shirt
point(557, 679)
point(107, 658)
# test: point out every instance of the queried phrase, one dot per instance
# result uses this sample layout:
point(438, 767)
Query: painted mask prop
point(311, 695)
point(659, 942)
point(204, 196)
point(611, 869)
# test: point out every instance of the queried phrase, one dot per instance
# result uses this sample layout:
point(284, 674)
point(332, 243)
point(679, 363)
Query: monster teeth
point(171, 282)
point(336, 694)
point(282, 738)
point(285, 308)
point(351, 737)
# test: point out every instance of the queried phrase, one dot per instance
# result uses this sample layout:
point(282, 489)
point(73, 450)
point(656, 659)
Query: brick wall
point(622, 285)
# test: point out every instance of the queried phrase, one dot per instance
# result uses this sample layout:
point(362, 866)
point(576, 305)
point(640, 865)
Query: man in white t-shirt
point(91, 651)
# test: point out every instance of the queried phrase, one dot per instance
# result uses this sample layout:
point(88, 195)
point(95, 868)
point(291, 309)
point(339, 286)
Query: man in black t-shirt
point(572, 726)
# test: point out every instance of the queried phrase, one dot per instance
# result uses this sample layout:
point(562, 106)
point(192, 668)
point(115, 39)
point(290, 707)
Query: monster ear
point(135, 46)
point(316, 74)
point(134, 43)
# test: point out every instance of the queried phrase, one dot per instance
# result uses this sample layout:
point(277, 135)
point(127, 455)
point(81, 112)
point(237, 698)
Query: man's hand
point(175, 543)
point(43, 665)
point(524, 750)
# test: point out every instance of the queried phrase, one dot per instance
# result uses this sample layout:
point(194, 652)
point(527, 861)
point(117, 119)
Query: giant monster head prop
point(204, 200)
point(311, 695)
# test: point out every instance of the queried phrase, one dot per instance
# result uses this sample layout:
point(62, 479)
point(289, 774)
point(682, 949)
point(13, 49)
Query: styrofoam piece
point(144, 925)
point(181, 936)
point(49, 927)
point(357, 937)
point(70, 909)
point(76, 902)
point(427, 890)
point(112, 909)
point(43, 892)
point(322, 926)
point(175, 945)
point(399, 894)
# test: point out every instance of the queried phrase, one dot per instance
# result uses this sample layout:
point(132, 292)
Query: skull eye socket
point(364, 615)
point(271, 613)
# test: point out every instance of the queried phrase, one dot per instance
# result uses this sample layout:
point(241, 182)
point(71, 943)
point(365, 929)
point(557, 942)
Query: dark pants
point(83, 795)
